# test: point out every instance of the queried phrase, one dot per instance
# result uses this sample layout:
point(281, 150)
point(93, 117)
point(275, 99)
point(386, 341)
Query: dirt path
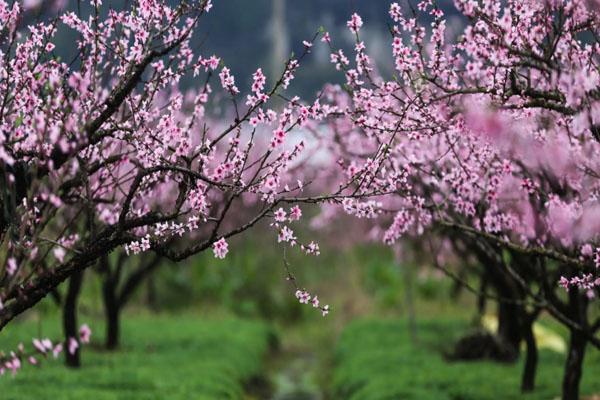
point(293, 375)
point(299, 367)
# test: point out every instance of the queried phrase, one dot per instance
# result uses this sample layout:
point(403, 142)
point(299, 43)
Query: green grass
point(375, 360)
point(162, 357)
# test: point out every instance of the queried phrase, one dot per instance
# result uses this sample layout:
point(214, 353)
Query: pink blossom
point(11, 266)
point(355, 23)
point(42, 346)
point(311, 248)
point(315, 302)
point(286, 235)
point(57, 350)
point(73, 345)
point(13, 364)
point(228, 81)
point(303, 296)
point(295, 213)
point(259, 81)
point(280, 215)
point(587, 250)
point(220, 248)
point(85, 333)
point(59, 253)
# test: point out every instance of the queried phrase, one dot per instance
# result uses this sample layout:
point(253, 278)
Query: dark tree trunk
point(577, 312)
point(112, 310)
point(481, 298)
point(113, 328)
point(116, 293)
point(70, 319)
point(509, 312)
point(509, 328)
point(531, 357)
point(573, 366)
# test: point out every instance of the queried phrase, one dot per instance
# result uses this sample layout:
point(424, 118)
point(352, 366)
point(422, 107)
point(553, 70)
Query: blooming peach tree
point(488, 133)
point(106, 151)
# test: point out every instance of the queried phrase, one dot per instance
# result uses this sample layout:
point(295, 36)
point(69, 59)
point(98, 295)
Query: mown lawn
point(375, 360)
point(162, 357)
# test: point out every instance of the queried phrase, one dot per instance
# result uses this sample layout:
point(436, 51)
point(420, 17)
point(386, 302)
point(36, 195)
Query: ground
point(203, 356)
point(232, 330)
point(376, 360)
point(162, 357)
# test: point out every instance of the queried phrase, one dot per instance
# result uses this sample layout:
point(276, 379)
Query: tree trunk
point(113, 328)
point(112, 311)
point(509, 325)
point(72, 359)
point(481, 298)
point(573, 366)
point(531, 357)
point(577, 308)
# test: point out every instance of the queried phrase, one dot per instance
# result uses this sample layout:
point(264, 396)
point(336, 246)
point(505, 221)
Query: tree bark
point(72, 359)
point(577, 311)
point(509, 325)
point(573, 366)
point(112, 311)
point(531, 357)
point(117, 293)
point(47, 281)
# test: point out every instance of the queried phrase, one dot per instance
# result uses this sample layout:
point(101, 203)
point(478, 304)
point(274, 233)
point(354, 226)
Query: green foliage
point(375, 360)
point(386, 280)
point(250, 282)
point(163, 357)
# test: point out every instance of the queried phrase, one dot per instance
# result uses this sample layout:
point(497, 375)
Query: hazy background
point(248, 34)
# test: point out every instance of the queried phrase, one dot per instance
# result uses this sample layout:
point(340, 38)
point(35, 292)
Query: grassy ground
point(375, 360)
point(205, 353)
point(163, 357)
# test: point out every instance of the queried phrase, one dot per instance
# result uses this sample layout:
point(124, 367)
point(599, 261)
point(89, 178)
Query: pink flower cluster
point(305, 298)
point(220, 248)
point(42, 348)
point(228, 81)
point(476, 134)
